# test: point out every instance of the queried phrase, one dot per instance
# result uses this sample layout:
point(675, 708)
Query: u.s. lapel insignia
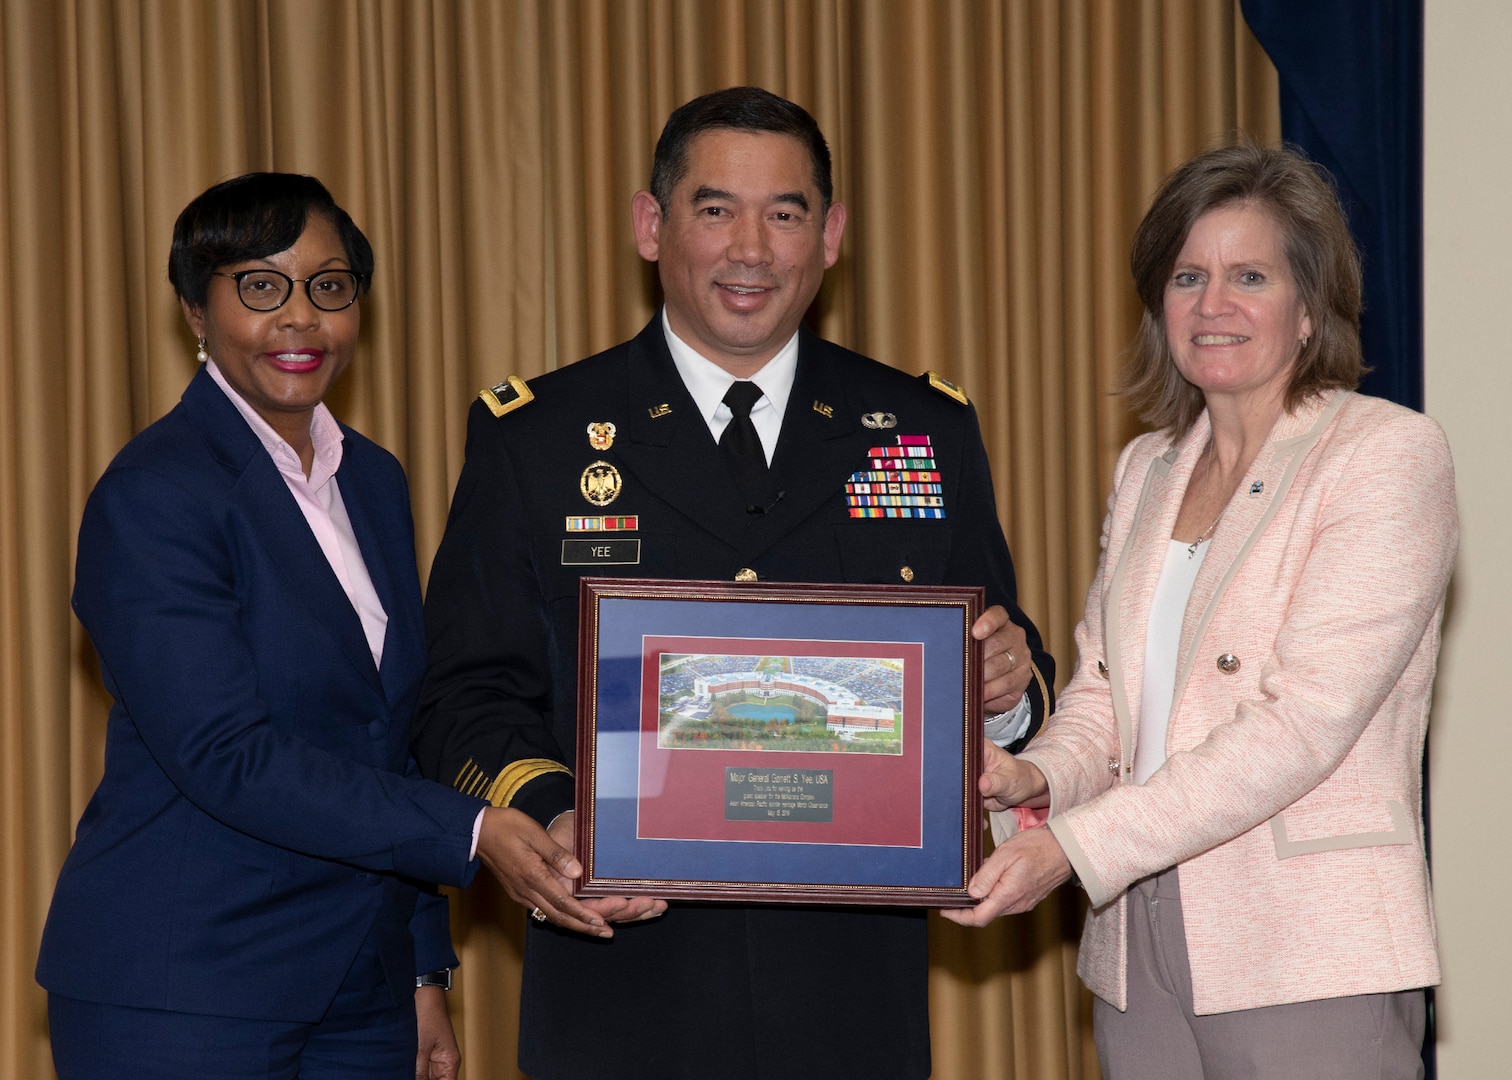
point(600, 483)
point(659, 411)
point(601, 436)
point(823, 410)
point(878, 420)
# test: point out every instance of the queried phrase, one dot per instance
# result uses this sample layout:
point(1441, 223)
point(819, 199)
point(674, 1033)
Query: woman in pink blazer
point(1234, 771)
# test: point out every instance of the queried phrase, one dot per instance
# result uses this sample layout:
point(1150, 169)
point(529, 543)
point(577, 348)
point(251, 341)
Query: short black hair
point(736, 108)
point(253, 216)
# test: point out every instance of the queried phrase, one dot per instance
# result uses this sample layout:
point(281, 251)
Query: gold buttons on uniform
point(1228, 663)
point(745, 573)
point(906, 573)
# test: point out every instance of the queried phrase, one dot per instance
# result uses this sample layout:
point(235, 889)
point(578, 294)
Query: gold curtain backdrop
point(994, 155)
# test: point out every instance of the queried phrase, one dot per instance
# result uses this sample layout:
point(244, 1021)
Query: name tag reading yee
point(621, 552)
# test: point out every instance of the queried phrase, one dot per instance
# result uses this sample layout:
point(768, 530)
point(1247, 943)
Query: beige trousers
point(1367, 1037)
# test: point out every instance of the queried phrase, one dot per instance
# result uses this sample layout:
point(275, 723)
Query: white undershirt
point(1162, 654)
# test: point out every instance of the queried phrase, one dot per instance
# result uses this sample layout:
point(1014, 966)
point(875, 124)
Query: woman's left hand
point(439, 1057)
point(1018, 875)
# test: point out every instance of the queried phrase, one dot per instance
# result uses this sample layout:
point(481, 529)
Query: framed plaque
point(788, 743)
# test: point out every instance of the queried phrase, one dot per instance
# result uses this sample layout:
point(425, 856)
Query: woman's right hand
point(1007, 782)
point(535, 870)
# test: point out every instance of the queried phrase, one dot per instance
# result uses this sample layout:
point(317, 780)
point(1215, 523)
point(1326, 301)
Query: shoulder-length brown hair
point(1300, 197)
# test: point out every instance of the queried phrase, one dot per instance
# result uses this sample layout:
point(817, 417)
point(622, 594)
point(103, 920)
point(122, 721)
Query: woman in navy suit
point(243, 898)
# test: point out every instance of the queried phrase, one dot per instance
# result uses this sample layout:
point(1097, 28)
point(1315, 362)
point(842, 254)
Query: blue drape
point(1351, 74)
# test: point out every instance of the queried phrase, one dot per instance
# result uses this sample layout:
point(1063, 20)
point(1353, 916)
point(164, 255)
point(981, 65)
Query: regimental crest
point(878, 420)
point(601, 436)
point(600, 483)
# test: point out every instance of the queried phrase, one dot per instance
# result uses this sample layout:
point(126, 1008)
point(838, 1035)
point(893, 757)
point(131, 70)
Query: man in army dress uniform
point(643, 462)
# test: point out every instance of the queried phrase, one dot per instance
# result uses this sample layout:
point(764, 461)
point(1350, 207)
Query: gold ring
point(538, 915)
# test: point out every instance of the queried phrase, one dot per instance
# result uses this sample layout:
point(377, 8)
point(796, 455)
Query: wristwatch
point(441, 977)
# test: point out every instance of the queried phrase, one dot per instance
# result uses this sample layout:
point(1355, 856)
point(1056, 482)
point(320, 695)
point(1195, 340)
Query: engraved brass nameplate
point(783, 794)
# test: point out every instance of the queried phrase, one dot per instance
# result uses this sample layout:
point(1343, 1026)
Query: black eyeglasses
point(269, 290)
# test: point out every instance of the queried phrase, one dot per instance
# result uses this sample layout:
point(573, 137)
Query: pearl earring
point(201, 355)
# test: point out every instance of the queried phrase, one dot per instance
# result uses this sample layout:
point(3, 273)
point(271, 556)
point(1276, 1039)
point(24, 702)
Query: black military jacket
point(498, 713)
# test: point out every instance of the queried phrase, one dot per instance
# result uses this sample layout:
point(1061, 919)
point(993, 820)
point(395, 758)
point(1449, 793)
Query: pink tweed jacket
point(1290, 800)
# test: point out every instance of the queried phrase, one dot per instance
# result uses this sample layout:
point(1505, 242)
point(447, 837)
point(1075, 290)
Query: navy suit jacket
point(259, 814)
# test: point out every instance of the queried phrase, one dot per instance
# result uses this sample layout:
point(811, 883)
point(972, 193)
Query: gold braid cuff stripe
point(471, 779)
point(1044, 695)
point(517, 774)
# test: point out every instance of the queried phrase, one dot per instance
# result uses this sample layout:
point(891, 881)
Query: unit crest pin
point(601, 436)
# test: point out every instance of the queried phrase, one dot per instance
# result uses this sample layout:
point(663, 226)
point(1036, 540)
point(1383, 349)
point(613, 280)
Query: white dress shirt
point(707, 384)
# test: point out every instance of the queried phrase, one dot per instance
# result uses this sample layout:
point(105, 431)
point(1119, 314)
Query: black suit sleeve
point(979, 555)
point(485, 723)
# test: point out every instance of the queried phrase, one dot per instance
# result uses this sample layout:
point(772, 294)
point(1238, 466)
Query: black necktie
point(742, 445)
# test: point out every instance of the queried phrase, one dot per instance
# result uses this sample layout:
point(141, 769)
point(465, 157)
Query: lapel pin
point(601, 436)
point(823, 410)
point(878, 420)
point(658, 411)
point(1257, 487)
